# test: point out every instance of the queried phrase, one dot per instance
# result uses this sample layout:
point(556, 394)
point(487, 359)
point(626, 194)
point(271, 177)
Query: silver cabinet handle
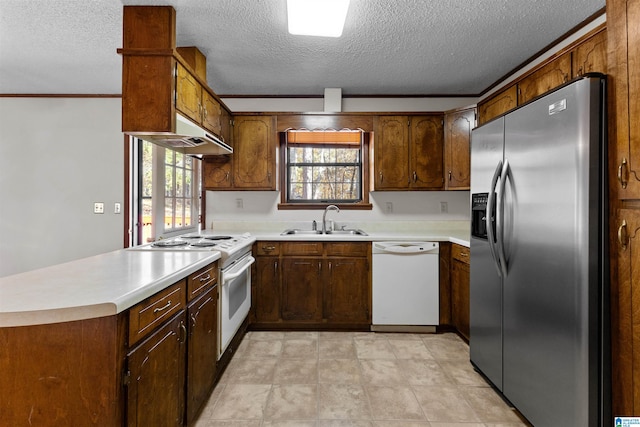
point(158, 309)
point(204, 279)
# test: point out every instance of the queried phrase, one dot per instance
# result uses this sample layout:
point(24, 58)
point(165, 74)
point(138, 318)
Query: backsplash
point(392, 211)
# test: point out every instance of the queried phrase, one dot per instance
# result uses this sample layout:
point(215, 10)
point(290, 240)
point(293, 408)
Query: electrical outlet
point(117, 208)
point(239, 203)
point(444, 207)
point(98, 208)
point(389, 206)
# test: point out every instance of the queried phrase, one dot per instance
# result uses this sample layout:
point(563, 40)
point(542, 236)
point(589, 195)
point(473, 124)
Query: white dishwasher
point(405, 286)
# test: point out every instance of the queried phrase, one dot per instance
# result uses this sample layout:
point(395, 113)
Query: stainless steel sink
point(355, 232)
point(298, 231)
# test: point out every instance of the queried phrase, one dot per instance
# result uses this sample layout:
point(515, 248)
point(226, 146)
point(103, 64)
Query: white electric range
point(234, 278)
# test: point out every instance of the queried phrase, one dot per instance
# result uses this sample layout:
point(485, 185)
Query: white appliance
point(405, 286)
point(234, 274)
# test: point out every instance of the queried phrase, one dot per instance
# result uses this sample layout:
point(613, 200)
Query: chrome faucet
point(324, 216)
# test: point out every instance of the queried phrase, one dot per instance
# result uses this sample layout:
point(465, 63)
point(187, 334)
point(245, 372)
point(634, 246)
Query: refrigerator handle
point(500, 220)
point(490, 218)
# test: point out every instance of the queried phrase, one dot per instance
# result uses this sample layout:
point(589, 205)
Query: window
point(324, 167)
point(166, 192)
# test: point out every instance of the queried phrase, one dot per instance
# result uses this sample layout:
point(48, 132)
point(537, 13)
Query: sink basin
point(298, 231)
point(349, 231)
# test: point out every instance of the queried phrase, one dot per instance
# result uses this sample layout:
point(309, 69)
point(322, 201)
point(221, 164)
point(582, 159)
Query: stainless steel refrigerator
point(539, 289)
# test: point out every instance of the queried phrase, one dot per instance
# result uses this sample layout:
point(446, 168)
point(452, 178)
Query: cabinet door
point(497, 105)
point(211, 113)
point(458, 149)
point(254, 153)
point(216, 172)
point(302, 289)
point(267, 289)
point(391, 153)
point(202, 350)
point(460, 296)
point(155, 395)
point(626, 316)
point(188, 94)
point(426, 152)
point(546, 78)
point(591, 55)
point(346, 295)
point(623, 33)
point(225, 127)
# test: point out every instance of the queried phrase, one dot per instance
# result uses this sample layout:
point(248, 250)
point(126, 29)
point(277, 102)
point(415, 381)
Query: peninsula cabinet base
point(63, 374)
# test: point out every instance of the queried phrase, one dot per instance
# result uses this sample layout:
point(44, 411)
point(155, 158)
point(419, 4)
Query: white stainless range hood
point(190, 139)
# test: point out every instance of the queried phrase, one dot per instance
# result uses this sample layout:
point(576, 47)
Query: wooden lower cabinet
point(460, 280)
point(346, 292)
point(202, 351)
point(312, 284)
point(156, 371)
point(302, 289)
point(266, 289)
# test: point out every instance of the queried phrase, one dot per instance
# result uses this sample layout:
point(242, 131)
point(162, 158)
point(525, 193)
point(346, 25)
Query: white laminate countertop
point(96, 286)
point(461, 238)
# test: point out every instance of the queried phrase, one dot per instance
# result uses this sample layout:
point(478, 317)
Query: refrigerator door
point(485, 339)
point(551, 193)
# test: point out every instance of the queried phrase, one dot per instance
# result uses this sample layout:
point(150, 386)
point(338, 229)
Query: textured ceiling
point(388, 46)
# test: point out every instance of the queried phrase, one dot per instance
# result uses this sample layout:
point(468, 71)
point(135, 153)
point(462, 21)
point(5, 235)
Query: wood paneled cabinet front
point(457, 143)
point(156, 371)
point(460, 280)
point(312, 284)
point(408, 152)
point(252, 166)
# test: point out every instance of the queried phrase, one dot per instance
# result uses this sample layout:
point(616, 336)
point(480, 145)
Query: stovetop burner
point(218, 237)
point(169, 243)
point(202, 244)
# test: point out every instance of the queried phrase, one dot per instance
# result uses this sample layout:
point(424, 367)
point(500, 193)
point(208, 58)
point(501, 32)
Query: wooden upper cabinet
point(546, 78)
point(391, 153)
point(212, 114)
point(216, 172)
point(458, 126)
point(623, 67)
point(254, 156)
point(188, 94)
point(408, 152)
point(498, 104)
point(426, 152)
point(591, 55)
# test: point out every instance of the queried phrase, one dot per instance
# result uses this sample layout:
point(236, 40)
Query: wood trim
point(126, 203)
point(58, 95)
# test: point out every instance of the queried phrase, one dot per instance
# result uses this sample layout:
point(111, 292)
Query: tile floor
point(355, 379)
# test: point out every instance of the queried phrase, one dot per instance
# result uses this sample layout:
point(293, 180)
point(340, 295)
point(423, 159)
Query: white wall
point(57, 157)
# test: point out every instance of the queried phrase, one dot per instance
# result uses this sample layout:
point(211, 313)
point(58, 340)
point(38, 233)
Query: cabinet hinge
point(126, 379)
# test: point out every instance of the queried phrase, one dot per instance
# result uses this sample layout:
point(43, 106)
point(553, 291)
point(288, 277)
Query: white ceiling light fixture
point(324, 18)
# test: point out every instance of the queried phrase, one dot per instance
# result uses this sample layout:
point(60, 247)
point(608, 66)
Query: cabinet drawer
point(302, 248)
point(201, 280)
point(267, 248)
point(460, 253)
point(150, 313)
point(348, 249)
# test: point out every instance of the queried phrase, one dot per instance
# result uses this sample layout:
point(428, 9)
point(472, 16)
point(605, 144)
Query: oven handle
point(238, 269)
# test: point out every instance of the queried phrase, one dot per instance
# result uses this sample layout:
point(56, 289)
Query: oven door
point(235, 298)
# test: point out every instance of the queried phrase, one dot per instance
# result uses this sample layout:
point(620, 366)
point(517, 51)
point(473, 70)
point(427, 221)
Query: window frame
point(363, 204)
point(158, 161)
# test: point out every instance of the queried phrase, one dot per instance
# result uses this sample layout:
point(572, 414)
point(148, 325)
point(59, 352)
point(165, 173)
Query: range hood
point(190, 139)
